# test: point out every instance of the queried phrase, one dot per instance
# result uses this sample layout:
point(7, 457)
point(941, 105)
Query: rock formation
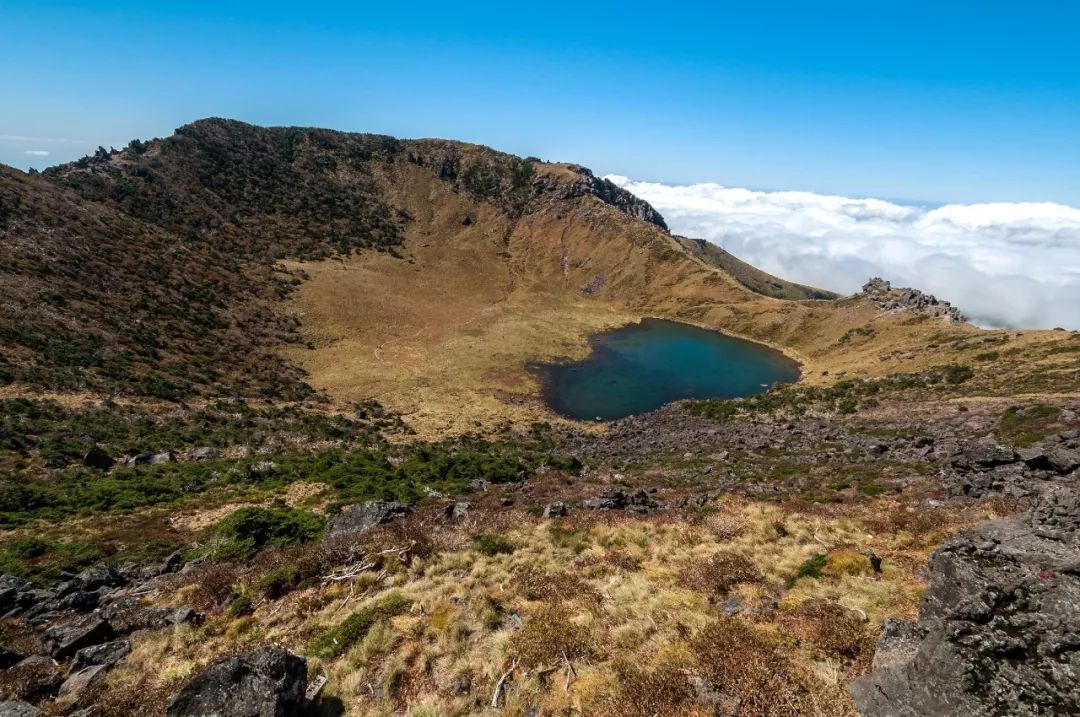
point(887, 298)
point(999, 629)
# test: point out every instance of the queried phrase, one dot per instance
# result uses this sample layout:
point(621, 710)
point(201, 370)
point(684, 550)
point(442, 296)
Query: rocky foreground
point(999, 629)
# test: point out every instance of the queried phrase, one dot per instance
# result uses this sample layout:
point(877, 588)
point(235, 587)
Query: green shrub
point(491, 544)
point(336, 641)
point(240, 606)
point(1024, 425)
point(284, 580)
point(44, 560)
point(811, 568)
point(248, 530)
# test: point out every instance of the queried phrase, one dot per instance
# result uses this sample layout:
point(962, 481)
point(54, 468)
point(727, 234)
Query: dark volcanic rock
point(618, 499)
point(267, 682)
point(97, 458)
point(107, 653)
point(984, 453)
point(9, 657)
point(34, 679)
point(65, 640)
point(999, 629)
point(456, 512)
point(127, 615)
point(365, 516)
point(557, 509)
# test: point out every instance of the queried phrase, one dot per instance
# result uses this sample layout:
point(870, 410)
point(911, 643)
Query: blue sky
point(939, 101)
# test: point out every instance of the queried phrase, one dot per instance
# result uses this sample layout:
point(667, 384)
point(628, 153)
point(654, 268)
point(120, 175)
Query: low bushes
point(491, 544)
point(719, 573)
point(846, 396)
point(336, 641)
point(248, 530)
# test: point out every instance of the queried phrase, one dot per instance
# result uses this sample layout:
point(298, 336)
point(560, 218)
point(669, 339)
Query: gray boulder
point(206, 453)
point(267, 682)
point(18, 708)
point(65, 640)
point(77, 682)
point(9, 657)
point(999, 628)
point(456, 512)
point(365, 516)
point(983, 454)
point(99, 576)
point(558, 509)
point(107, 654)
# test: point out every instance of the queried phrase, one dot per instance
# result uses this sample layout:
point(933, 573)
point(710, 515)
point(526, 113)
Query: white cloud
point(1003, 264)
point(37, 152)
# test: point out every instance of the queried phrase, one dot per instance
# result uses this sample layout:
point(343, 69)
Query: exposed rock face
point(887, 298)
point(365, 516)
point(605, 190)
point(267, 682)
point(984, 467)
point(999, 629)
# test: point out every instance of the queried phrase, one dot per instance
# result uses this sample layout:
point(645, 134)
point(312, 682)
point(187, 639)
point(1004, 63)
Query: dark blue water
point(641, 367)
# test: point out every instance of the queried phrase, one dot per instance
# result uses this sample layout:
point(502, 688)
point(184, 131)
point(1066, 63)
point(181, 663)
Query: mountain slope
point(751, 277)
point(230, 259)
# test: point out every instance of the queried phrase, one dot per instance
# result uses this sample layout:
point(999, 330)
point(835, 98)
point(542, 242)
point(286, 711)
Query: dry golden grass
point(445, 335)
point(593, 614)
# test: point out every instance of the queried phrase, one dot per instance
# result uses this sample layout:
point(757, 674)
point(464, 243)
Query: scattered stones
point(618, 499)
point(267, 682)
point(362, 517)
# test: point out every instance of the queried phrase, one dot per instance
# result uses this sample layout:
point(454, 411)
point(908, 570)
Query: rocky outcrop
point(267, 682)
point(999, 628)
point(603, 189)
point(618, 499)
point(984, 468)
point(365, 516)
point(886, 298)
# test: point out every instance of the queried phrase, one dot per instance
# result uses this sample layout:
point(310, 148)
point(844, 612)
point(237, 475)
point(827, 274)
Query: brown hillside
point(161, 270)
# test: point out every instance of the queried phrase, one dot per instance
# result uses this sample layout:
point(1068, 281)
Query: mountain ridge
point(230, 259)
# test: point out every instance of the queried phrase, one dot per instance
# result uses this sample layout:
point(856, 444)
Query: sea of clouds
point(1002, 264)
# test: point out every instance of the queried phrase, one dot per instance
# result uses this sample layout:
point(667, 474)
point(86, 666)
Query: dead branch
point(502, 683)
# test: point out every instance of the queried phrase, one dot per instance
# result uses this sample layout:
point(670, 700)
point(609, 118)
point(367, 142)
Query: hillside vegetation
point(270, 386)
